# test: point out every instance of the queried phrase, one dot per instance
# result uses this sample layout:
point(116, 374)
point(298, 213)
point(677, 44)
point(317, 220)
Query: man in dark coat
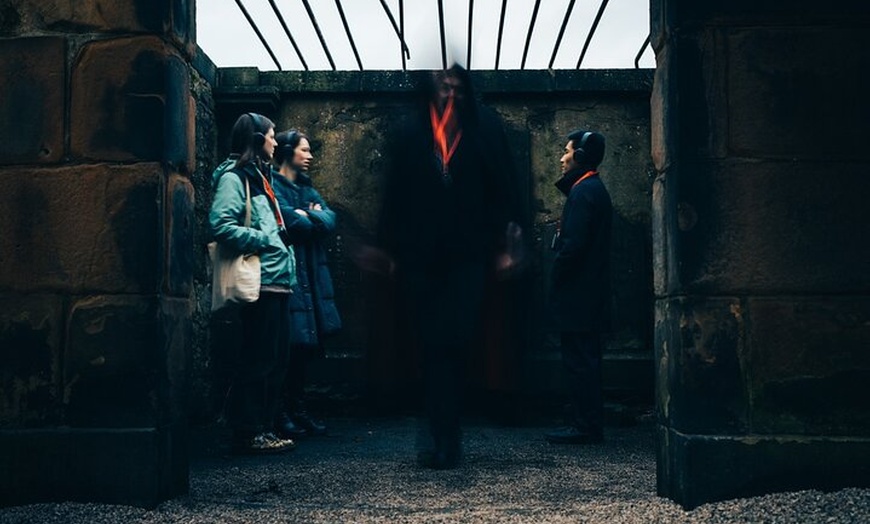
point(446, 224)
point(580, 284)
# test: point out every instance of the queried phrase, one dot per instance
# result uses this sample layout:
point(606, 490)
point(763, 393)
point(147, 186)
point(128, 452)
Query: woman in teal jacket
point(261, 364)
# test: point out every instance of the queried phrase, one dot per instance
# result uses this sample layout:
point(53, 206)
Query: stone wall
point(97, 204)
point(349, 115)
point(762, 312)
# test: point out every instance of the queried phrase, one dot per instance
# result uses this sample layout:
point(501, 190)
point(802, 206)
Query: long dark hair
point(249, 134)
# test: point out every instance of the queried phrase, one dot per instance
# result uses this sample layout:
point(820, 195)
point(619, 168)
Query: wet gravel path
point(366, 472)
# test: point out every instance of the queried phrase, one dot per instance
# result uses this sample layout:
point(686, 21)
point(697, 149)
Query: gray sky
point(226, 37)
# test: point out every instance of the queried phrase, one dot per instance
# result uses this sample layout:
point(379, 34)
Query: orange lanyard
point(268, 187)
point(439, 132)
point(584, 177)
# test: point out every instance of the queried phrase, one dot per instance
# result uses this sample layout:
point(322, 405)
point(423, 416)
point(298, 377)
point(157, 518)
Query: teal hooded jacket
point(227, 218)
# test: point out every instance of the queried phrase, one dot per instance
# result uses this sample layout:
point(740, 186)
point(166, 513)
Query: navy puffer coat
point(313, 313)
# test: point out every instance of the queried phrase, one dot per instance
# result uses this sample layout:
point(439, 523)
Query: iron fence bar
point(500, 32)
point(287, 32)
point(561, 33)
point(470, 22)
point(347, 30)
point(259, 34)
point(399, 32)
point(319, 33)
point(529, 34)
point(441, 30)
point(592, 31)
point(640, 53)
point(402, 32)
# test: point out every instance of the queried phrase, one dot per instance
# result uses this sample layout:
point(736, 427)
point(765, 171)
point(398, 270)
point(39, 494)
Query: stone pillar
point(762, 270)
point(97, 127)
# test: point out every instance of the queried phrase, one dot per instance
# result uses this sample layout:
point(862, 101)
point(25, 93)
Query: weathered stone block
point(180, 132)
point(184, 20)
point(792, 93)
point(88, 17)
point(810, 365)
point(694, 469)
point(772, 228)
point(701, 361)
point(175, 360)
point(81, 229)
point(180, 240)
point(127, 94)
point(33, 109)
point(30, 340)
point(663, 150)
point(739, 11)
point(113, 362)
point(701, 101)
point(118, 466)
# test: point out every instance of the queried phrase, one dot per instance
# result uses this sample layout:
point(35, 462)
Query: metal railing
point(399, 30)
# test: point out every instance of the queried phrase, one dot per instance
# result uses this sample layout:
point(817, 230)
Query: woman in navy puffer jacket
point(313, 313)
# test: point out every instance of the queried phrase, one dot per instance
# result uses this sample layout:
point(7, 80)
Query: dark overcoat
point(433, 222)
point(313, 312)
point(580, 280)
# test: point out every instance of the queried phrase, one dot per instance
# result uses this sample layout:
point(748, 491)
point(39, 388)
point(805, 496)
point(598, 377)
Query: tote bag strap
point(247, 202)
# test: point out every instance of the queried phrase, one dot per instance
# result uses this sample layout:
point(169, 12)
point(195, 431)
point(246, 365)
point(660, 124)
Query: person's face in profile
point(269, 144)
point(449, 86)
point(567, 160)
point(302, 155)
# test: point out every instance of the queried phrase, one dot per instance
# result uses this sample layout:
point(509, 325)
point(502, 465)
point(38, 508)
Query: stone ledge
point(63, 464)
point(524, 81)
point(696, 469)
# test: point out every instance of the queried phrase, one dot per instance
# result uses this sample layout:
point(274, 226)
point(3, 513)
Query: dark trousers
point(446, 313)
point(294, 389)
point(581, 356)
point(255, 393)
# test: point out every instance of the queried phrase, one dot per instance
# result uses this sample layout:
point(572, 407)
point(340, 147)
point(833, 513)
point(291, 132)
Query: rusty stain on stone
point(95, 326)
point(737, 312)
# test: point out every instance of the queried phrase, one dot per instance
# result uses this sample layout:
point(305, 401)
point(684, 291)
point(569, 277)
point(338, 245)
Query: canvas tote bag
point(235, 277)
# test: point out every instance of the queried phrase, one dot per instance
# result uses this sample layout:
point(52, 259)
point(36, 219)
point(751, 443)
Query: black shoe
point(286, 428)
point(310, 425)
point(572, 435)
point(438, 459)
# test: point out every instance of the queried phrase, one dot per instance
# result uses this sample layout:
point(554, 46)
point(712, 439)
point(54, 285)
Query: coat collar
point(567, 181)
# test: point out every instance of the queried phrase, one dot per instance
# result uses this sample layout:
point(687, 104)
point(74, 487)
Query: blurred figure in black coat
point(448, 222)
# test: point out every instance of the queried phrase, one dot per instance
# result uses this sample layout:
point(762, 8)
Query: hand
point(504, 263)
point(315, 206)
point(301, 212)
point(374, 260)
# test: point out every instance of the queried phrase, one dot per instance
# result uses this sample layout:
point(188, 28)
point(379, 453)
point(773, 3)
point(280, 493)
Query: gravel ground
point(365, 472)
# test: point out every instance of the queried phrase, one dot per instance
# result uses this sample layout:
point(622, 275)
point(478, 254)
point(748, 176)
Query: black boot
point(303, 420)
point(285, 427)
